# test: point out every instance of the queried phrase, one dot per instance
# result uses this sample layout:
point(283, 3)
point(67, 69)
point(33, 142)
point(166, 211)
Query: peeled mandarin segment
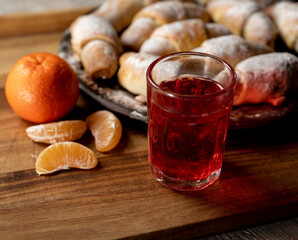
point(65, 155)
point(106, 129)
point(57, 131)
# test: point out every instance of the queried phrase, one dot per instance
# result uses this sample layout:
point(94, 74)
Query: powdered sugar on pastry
point(89, 27)
point(260, 28)
point(232, 13)
point(163, 12)
point(182, 35)
point(159, 13)
point(132, 71)
point(266, 78)
point(216, 30)
point(285, 15)
point(99, 59)
point(140, 30)
point(119, 12)
point(97, 44)
point(157, 46)
point(232, 48)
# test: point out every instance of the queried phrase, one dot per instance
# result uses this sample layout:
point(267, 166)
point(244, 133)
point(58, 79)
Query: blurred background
point(21, 17)
point(21, 6)
point(28, 26)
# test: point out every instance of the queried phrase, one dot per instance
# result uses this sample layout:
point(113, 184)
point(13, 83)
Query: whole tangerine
point(42, 87)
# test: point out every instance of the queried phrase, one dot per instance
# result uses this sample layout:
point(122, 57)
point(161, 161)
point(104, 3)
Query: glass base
point(184, 185)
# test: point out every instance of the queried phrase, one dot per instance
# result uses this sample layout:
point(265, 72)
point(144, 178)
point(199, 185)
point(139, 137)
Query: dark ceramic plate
point(112, 96)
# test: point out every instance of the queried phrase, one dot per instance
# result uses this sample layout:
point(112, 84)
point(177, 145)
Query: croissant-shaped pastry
point(244, 18)
point(96, 42)
point(214, 30)
point(178, 36)
point(232, 48)
point(132, 71)
point(119, 12)
point(265, 3)
point(148, 2)
point(266, 78)
point(285, 15)
point(157, 14)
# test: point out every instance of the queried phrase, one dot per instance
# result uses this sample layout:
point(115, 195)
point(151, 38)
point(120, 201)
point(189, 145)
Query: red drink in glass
point(188, 118)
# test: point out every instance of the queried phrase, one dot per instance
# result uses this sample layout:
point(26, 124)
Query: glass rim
point(188, 53)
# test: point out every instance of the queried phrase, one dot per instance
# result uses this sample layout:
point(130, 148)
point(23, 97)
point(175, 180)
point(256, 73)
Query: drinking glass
point(189, 97)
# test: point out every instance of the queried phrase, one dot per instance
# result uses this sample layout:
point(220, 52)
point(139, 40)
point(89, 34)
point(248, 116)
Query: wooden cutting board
point(120, 198)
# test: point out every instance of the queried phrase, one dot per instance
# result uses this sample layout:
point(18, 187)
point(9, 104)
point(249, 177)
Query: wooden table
point(120, 198)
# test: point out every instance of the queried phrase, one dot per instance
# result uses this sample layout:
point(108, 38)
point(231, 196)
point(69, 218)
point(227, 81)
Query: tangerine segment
point(57, 131)
point(106, 129)
point(65, 155)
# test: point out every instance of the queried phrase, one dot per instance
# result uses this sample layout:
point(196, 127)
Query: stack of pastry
point(122, 37)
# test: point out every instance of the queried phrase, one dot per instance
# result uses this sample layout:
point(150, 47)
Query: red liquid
point(187, 137)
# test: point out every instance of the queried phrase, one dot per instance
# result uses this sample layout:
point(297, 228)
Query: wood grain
point(280, 230)
point(21, 6)
point(120, 198)
point(13, 48)
point(39, 22)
